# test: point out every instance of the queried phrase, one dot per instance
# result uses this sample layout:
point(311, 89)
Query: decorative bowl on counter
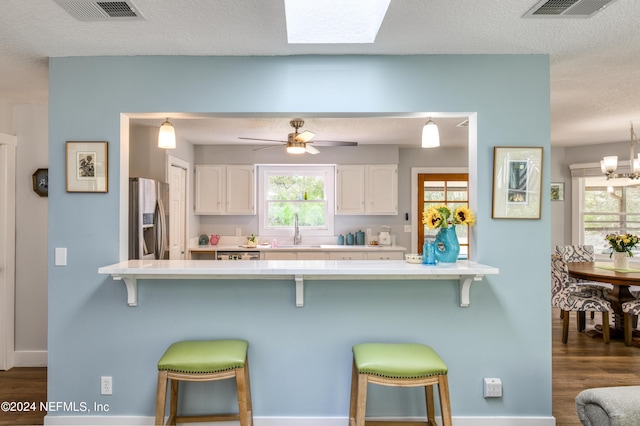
point(413, 258)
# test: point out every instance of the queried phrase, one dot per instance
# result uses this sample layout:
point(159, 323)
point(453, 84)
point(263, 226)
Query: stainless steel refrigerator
point(148, 219)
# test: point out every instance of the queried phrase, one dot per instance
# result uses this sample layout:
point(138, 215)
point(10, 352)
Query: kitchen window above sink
point(285, 191)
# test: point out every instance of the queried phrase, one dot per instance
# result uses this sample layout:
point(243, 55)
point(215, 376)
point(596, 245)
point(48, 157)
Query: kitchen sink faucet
point(297, 238)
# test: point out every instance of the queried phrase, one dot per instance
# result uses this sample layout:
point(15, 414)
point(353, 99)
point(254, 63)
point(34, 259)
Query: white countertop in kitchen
point(298, 270)
point(291, 247)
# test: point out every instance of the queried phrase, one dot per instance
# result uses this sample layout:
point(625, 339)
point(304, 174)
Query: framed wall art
point(517, 182)
point(87, 167)
point(557, 191)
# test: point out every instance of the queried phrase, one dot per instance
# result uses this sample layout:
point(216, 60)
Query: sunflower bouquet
point(441, 216)
point(622, 243)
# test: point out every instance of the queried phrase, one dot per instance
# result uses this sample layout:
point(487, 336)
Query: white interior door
point(7, 248)
point(177, 211)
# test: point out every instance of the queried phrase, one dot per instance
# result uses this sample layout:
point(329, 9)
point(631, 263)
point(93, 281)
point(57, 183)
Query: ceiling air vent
point(93, 10)
point(567, 8)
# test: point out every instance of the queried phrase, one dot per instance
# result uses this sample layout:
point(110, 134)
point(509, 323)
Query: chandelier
point(609, 164)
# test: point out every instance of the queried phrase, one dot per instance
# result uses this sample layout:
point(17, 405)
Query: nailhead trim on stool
point(401, 365)
point(203, 361)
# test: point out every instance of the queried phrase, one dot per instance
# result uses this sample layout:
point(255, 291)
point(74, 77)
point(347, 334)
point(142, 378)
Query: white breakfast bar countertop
point(292, 247)
point(131, 271)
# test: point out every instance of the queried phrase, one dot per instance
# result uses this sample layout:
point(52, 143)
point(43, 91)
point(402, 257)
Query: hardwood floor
point(584, 362)
point(23, 386)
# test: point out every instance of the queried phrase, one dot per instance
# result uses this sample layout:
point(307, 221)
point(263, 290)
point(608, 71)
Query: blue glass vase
point(429, 252)
point(447, 245)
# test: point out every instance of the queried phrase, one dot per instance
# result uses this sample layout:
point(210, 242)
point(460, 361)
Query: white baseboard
point(294, 421)
point(30, 359)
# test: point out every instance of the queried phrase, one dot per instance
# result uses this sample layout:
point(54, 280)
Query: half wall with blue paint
point(300, 358)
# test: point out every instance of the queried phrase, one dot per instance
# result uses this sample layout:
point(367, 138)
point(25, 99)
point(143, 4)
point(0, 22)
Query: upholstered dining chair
point(582, 253)
point(570, 298)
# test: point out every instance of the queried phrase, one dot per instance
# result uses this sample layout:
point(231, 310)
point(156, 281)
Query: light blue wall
point(300, 358)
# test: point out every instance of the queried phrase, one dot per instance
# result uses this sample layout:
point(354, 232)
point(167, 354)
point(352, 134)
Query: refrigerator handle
point(161, 230)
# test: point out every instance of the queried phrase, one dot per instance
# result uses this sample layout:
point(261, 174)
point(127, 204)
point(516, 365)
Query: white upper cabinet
point(382, 189)
point(367, 189)
point(240, 189)
point(225, 189)
point(350, 189)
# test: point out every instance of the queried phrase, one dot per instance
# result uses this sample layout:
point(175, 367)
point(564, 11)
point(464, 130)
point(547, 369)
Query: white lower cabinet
point(279, 255)
point(331, 255)
point(346, 255)
point(294, 255)
point(312, 255)
point(387, 255)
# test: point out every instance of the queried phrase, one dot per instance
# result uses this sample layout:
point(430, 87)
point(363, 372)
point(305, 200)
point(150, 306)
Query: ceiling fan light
point(296, 147)
point(167, 136)
point(430, 135)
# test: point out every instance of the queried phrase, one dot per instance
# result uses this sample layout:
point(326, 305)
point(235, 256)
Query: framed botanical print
point(87, 167)
point(517, 182)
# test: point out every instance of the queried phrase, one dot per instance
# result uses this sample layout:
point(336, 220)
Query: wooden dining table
point(596, 271)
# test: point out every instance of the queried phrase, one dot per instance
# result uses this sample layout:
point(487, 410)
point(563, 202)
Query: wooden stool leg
point(354, 393)
point(242, 397)
point(431, 417)
point(173, 402)
point(445, 404)
point(247, 381)
point(161, 397)
point(361, 403)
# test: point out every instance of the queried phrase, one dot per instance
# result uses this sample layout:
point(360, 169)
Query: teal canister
point(359, 238)
point(349, 239)
point(340, 240)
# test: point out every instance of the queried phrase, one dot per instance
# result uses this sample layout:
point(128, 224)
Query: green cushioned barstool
point(203, 361)
point(402, 365)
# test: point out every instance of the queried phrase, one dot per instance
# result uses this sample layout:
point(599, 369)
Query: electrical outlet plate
point(106, 385)
point(407, 228)
point(238, 232)
point(492, 388)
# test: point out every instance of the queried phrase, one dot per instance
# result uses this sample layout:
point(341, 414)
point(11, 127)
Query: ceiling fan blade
point(311, 150)
point(258, 139)
point(267, 147)
point(335, 143)
point(305, 136)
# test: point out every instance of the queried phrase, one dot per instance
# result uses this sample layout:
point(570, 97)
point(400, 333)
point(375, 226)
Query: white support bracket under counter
point(465, 272)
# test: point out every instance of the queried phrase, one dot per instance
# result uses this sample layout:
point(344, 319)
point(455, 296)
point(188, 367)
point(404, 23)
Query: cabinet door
point(346, 255)
point(279, 255)
point(312, 255)
point(240, 190)
point(382, 190)
point(387, 255)
point(208, 189)
point(350, 189)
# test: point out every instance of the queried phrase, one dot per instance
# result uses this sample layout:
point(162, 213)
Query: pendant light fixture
point(430, 134)
point(167, 136)
point(609, 164)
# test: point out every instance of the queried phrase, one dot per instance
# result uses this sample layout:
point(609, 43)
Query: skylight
point(334, 21)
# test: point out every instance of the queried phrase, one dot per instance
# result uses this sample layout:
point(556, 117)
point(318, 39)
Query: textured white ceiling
point(594, 62)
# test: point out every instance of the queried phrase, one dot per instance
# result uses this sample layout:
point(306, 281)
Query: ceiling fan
point(299, 143)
